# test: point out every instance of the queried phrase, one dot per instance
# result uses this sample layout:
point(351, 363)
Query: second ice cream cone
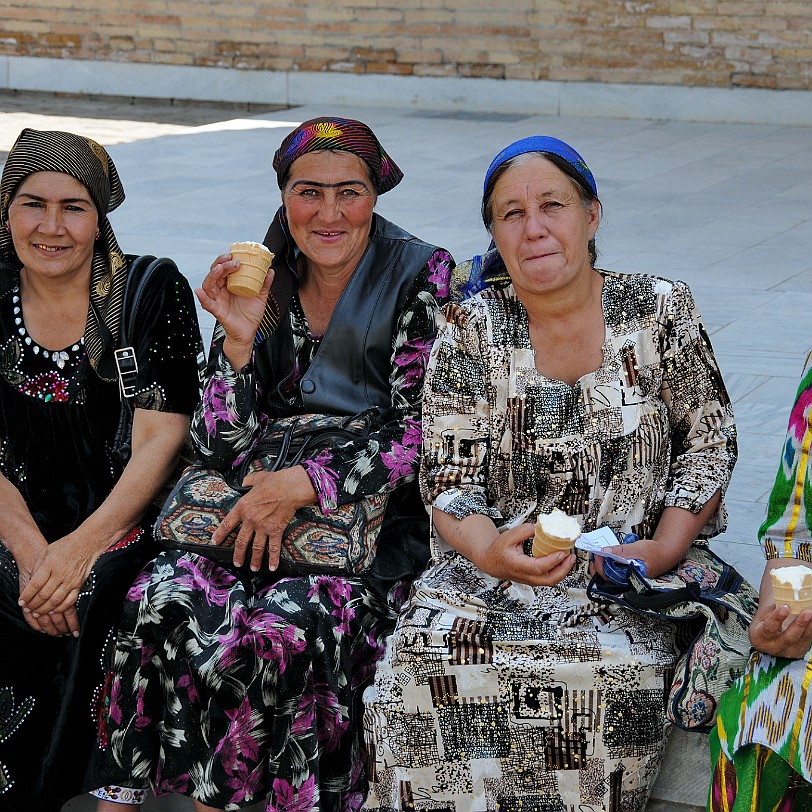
point(792, 586)
point(555, 532)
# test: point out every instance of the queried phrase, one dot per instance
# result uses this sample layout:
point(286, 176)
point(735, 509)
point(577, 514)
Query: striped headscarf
point(338, 133)
point(88, 162)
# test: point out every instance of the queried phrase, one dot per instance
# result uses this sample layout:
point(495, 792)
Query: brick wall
point(709, 43)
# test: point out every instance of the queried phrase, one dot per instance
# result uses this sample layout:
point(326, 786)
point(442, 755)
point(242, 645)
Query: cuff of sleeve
point(224, 366)
point(120, 795)
point(778, 547)
point(460, 504)
point(324, 485)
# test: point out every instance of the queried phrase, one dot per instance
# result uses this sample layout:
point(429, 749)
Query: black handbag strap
point(289, 447)
point(140, 271)
point(655, 600)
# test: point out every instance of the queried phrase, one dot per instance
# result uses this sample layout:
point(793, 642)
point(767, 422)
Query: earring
point(8, 228)
point(98, 234)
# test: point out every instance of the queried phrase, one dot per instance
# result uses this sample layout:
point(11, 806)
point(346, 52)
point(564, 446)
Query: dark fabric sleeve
point(167, 338)
point(227, 425)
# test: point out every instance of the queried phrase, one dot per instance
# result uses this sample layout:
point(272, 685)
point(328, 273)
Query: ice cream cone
point(255, 259)
point(555, 532)
point(792, 586)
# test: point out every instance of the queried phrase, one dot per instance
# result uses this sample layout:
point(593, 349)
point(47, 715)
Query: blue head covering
point(544, 143)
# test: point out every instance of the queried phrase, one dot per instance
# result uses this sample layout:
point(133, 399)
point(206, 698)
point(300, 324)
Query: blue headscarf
point(544, 143)
point(488, 270)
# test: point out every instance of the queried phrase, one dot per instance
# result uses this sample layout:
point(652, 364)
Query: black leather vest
point(350, 372)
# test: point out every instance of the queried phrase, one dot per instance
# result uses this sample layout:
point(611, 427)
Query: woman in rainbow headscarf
point(231, 687)
point(762, 746)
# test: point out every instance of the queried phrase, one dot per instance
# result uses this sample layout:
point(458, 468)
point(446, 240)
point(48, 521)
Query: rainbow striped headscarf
point(338, 133)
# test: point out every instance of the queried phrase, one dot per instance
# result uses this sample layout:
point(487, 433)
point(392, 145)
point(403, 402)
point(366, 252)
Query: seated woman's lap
point(252, 683)
point(486, 679)
point(69, 708)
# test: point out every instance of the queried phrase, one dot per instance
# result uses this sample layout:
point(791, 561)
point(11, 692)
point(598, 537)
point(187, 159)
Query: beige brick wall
point(705, 43)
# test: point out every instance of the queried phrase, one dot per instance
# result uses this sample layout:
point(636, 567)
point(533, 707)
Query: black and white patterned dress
point(494, 694)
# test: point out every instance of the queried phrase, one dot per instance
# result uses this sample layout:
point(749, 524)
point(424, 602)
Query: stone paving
point(724, 207)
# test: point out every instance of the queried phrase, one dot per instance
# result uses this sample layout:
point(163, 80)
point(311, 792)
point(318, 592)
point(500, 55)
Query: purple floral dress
point(230, 688)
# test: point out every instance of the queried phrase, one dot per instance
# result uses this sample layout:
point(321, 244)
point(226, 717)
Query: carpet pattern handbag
point(712, 606)
point(343, 541)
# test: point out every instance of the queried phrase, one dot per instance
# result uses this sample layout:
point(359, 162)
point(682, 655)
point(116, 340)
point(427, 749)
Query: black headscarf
point(88, 162)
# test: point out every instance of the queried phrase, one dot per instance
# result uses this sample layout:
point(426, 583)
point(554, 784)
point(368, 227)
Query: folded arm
point(62, 566)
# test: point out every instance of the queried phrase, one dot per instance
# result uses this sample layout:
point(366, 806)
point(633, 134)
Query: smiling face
point(53, 224)
point(541, 226)
point(329, 199)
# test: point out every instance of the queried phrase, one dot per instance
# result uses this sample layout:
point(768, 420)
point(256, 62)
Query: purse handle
point(285, 450)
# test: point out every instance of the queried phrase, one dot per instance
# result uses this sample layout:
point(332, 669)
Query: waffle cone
point(785, 595)
point(544, 543)
point(255, 259)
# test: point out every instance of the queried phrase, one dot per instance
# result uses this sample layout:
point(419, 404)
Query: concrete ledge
point(684, 778)
point(721, 105)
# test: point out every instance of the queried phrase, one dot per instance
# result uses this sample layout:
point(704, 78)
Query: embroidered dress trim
point(120, 795)
point(54, 379)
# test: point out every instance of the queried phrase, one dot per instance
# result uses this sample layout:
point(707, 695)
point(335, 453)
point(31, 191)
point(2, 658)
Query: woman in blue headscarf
point(554, 385)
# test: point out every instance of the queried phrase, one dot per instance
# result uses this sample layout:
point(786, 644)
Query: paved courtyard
point(727, 208)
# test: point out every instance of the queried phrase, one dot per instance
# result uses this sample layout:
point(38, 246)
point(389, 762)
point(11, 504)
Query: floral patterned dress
point(230, 687)
point(57, 423)
point(497, 695)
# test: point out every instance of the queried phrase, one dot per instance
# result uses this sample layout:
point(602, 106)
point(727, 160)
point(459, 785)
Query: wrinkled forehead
point(533, 174)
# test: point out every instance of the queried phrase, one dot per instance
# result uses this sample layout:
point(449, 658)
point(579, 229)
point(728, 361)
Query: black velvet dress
point(57, 422)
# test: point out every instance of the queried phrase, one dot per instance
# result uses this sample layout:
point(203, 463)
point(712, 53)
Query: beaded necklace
point(49, 373)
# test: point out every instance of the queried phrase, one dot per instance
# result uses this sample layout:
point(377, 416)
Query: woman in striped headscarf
point(252, 688)
point(72, 526)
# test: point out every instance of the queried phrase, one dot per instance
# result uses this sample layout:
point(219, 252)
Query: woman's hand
point(56, 624)
point(645, 550)
point(48, 600)
point(770, 630)
point(26, 557)
point(501, 555)
point(240, 316)
point(264, 513)
point(504, 558)
point(770, 633)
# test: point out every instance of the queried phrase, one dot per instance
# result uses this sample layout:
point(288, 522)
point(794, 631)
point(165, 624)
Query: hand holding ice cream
point(238, 304)
point(555, 532)
point(792, 586)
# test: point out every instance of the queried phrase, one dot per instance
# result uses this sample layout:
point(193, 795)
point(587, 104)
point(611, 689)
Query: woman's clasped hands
point(50, 585)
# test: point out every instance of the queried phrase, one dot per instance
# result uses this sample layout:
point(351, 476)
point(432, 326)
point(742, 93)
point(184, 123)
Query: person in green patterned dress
point(762, 744)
